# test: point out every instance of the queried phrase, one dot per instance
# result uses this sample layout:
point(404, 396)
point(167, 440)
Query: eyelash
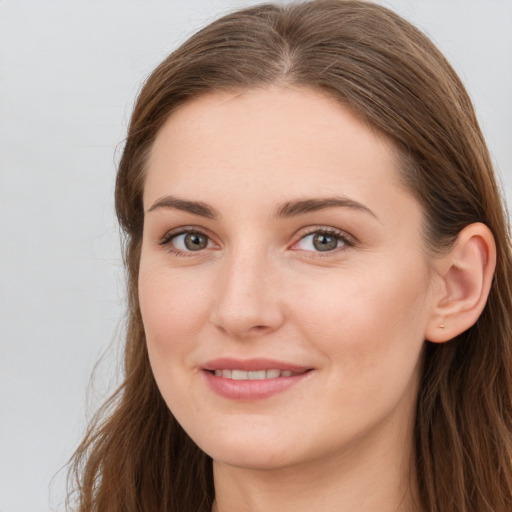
point(168, 238)
point(346, 240)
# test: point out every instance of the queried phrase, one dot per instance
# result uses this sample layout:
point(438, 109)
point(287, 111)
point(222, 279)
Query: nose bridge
point(248, 301)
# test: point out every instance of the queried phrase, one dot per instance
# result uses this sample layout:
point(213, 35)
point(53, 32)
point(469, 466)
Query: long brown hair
point(135, 456)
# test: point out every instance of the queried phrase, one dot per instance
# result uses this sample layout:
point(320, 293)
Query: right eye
point(187, 242)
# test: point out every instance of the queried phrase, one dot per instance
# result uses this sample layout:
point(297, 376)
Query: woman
point(319, 279)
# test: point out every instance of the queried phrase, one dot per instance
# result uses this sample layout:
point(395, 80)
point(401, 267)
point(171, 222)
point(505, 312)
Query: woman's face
point(284, 286)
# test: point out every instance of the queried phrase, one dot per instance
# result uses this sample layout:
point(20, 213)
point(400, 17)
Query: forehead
point(270, 143)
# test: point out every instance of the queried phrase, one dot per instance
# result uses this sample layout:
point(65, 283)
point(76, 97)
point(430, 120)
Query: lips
point(253, 379)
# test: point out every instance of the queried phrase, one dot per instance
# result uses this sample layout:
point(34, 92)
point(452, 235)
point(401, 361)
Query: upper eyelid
point(311, 229)
point(304, 232)
point(182, 230)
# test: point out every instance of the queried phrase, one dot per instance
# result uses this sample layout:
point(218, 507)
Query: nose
point(248, 303)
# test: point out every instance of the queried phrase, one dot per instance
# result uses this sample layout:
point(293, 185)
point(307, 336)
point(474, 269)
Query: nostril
point(256, 329)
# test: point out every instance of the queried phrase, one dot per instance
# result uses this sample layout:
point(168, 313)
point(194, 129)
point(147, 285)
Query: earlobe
point(466, 276)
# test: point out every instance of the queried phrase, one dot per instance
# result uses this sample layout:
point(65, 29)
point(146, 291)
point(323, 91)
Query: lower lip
point(250, 390)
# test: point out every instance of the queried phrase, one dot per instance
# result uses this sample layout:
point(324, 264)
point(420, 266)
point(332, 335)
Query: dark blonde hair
point(135, 455)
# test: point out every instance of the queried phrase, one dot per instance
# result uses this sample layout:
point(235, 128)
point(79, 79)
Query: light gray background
point(69, 72)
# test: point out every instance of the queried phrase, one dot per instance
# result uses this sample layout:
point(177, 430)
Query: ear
point(466, 274)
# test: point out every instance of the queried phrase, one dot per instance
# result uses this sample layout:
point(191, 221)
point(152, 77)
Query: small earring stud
point(441, 325)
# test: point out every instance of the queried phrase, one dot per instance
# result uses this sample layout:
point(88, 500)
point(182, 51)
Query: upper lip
point(228, 363)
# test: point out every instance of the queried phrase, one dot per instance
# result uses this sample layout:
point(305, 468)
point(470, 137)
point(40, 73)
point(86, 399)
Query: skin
point(357, 315)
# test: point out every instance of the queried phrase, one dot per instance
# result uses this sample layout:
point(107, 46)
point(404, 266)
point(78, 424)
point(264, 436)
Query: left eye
point(190, 241)
point(321, 242)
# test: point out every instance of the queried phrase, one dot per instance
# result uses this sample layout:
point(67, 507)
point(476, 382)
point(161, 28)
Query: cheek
point(174, 307)
point(368, 326)
point(368, 320)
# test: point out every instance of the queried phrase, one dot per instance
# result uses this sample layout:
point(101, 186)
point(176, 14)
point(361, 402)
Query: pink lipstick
point(252, 379)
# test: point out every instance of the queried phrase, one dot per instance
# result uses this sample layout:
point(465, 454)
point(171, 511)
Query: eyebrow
point(194, 207)
point(301, 206)
point(286, 210)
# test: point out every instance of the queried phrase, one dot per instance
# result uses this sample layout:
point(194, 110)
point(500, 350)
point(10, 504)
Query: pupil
point(324, 242)
point(195, 241)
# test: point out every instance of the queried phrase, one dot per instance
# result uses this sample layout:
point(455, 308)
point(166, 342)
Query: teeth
point(258, 375)
point(238, 375)
point(253, 375)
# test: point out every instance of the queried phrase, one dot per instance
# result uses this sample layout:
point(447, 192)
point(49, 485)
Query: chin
point(254, 459)
point(249, 451)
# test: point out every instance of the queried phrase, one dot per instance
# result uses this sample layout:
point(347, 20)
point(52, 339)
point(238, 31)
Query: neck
point(367, 476)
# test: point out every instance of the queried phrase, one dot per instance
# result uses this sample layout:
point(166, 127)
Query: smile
point(254, 379)
point(254, 375)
